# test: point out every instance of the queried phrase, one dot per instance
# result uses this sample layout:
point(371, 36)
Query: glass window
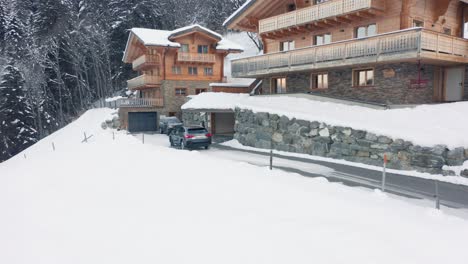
point(209, 71)
point(418, 23)
point(366, 31)
point(203, 49)
point(320, 81)
point(181, 91)
point(319, 1)
point(279, 85)
point(184, 48)
point(322, 39)
point(364, 77)
point(193, 70)
point(447, 31)
point(199, 91)
point(287, 45)
point(176, 70)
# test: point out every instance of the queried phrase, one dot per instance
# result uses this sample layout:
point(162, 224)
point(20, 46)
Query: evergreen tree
point(16, 117)
point(14, 44)
point(3, 23)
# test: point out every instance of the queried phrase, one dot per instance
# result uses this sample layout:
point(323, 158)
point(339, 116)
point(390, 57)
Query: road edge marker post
point(437, 196)
point(384, 172)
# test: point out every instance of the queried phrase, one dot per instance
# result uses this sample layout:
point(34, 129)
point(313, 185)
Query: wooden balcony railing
point(196, 57)
point(329, 9)
point(395, 46)
point(143, 81)
point(141, 102)
point(145, 60)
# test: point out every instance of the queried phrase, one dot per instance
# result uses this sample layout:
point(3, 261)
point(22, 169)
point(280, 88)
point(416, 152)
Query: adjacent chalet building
point(171, 66)
point(382, 51)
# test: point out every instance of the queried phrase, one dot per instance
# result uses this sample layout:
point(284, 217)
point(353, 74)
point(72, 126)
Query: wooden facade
point(192, 57)
point(322, 35)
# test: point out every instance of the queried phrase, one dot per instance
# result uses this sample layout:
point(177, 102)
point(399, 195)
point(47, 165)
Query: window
point(320, 81)
point(291, 7)
point(363, 78)
point(203, 49)
point(181, 91)
point(193, 70)
point(279, 85)
point(319, 1)
point(208, 71)
point(184, 48)
point(322, 39)
point(287, 45)
point(447, 31)
point(199, 91)
point(418, 23)
point(176, 70)
point(366, 31)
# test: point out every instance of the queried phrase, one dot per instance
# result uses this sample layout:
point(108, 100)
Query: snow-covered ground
point(120, 201)
point(425, 125)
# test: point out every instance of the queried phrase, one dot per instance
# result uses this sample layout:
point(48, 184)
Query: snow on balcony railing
point(196, 57)
point(141, 102)
point(316, 12)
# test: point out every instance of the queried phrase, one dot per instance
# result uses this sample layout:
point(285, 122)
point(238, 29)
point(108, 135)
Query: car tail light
point(189, 136)
point(209, 135)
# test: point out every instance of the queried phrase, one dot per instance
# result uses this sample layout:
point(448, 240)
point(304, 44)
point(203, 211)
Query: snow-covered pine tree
point(16, 117)
point(14, 45)
point(3, 23)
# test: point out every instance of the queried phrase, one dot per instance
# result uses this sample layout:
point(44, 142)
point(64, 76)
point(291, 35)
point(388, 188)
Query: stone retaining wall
point(263, 130)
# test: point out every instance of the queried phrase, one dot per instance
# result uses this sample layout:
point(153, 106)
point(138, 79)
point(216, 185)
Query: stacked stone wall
point(264, 130)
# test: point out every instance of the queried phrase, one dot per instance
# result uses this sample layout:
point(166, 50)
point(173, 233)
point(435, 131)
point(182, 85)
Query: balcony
point(337, 10)
point(145, 61)
point(141, 102)
point(196, 58)
point(405, 45)
point(144, 81)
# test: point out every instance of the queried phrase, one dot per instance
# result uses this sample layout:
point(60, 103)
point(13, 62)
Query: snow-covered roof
point(238, 12)
point(195, 27)
point(218, 101)
point(242, 85)
point(156, 37)
point(425, 125)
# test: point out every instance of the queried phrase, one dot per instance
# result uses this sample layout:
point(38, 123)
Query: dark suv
point(166, 124)
point(190, 137)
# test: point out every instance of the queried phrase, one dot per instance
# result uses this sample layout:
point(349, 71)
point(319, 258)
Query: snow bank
point(425, 125)
point(120, 201)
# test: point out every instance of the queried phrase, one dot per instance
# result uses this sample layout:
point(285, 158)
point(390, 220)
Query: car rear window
point(198, 131)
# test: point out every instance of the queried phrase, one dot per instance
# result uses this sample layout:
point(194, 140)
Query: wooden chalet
point(383, 51)
point(170, 65)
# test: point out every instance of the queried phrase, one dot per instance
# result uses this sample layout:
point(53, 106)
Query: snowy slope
point(425, 125)
point(124, 202)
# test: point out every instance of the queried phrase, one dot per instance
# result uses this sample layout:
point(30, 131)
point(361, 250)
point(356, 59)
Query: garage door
point(142, 122)
point(224, 123)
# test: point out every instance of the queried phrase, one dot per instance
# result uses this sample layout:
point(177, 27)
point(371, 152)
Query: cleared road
point(451, 195)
